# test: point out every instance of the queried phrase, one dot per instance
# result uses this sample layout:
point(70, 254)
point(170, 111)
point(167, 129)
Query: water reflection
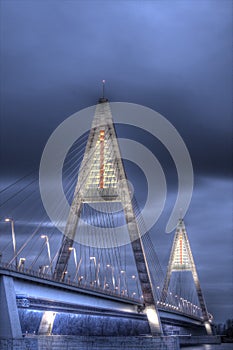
point(209, 347)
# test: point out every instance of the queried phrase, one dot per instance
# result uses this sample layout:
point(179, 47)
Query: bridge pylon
point(102, 178)
point(181, 259)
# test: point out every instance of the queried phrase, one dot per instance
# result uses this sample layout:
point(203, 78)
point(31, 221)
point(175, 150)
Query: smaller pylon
point(181, 259)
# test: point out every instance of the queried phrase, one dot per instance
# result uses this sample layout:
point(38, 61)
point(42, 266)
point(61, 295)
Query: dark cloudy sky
point(172, 56)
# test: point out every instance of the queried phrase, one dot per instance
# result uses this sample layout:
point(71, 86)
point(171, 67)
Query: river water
point(209, 347)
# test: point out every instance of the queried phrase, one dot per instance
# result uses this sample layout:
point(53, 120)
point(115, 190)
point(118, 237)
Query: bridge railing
point(79, 286)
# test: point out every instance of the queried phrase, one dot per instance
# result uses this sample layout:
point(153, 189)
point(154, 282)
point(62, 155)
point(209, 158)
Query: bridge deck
point(42, 294)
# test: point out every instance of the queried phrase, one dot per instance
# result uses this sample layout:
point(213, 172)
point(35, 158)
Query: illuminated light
point(158, 287)
point(48, 321)
point(133, 276)
point(21, 264)
point(13, 238)
point(181, 258)
point(152, 316)
point(122, 271)
point(108, 265)
point(101, 169)
point(8, 220)
point(208, 328)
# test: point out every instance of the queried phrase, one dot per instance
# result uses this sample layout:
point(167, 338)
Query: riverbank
point(199, 340)
point(57, 342)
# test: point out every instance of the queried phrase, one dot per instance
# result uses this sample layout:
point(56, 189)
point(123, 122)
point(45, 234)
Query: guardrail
point(48, 277)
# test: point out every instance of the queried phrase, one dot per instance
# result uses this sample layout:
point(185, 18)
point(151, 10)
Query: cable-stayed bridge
point(102, 269)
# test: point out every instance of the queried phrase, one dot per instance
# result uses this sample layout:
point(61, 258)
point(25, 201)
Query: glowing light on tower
point(101, 183)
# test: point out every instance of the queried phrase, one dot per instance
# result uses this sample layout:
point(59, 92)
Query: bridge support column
point(46, 324)
point(103, 141)
point(9, 316)
point(208, 328)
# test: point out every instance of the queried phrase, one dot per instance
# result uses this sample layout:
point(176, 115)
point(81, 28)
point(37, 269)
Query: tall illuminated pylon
point(181, 259)
point(102, 178)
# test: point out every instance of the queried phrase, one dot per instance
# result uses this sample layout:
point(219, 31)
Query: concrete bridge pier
point(9, 318)
point(46, 324)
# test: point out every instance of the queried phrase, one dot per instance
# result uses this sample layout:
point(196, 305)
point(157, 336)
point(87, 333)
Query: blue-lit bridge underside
point(49, 295)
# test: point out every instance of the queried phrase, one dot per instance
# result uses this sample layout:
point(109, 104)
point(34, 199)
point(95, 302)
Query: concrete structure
point(52, 297)
point(104, 343)
point(91, 343)
point(181, 259)
point(9, 318)
point(102, 161)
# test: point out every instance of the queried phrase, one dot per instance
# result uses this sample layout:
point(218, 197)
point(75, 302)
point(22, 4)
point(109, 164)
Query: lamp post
point(93, 258)
point(77, 265)
point(48, 249)
point(21, 264)
point(75, 255)
point(112, 275)
point(136, 280)
point(13, 238)
point(77, 269)
point(80, 280)
point(124, 281)
point(42, 269)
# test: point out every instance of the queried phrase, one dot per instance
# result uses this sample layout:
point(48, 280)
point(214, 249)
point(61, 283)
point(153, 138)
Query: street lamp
point(136, 280)
point(13, 238)
point(77, 265)
point(75, 255)
point(42, 269)
point(113, 278)
point(77, 269)
point(124, 280)
point(21, 264)
point(48, 249)
point(93, 258)
point(80, 279)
